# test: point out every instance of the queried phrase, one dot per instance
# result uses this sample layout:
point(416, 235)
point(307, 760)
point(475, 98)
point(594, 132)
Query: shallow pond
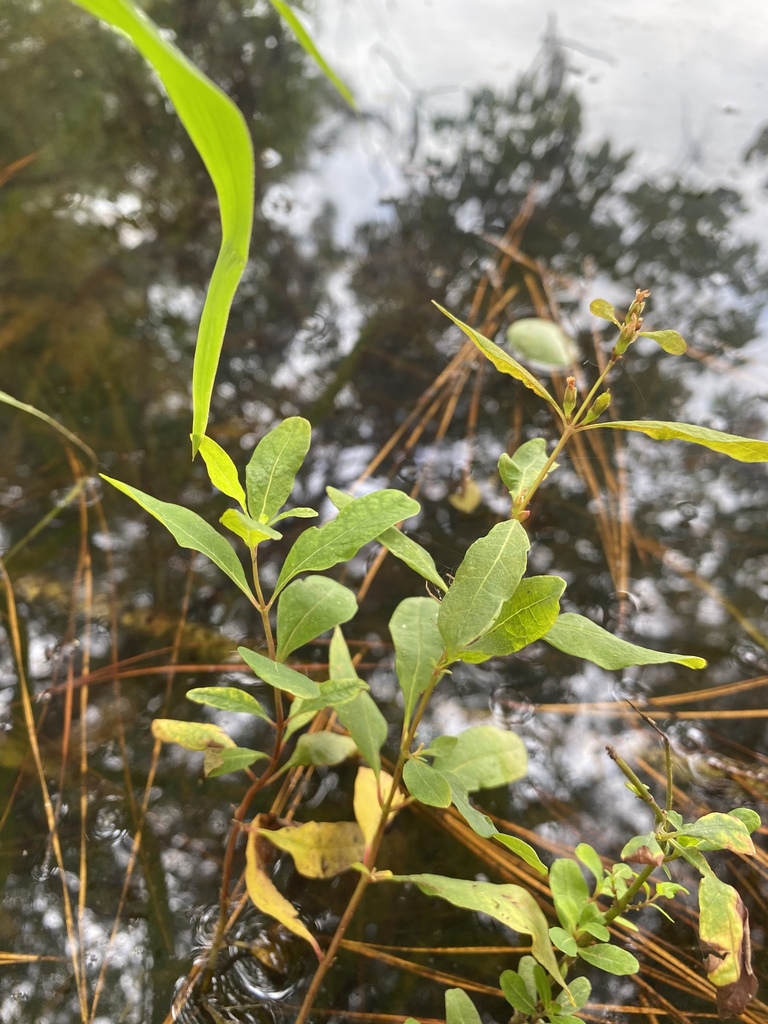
point(627, 151)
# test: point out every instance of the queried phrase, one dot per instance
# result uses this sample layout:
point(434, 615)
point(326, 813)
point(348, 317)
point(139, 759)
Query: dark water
point(108, 237)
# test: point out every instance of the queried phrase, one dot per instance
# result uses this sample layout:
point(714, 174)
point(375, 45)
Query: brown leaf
point(725, 945)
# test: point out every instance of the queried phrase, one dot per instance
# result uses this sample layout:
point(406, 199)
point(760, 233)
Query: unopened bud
point(637, 307)
point(569, 398)
point(601, 403)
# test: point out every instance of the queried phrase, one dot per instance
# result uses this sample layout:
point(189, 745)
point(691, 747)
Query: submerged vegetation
point(309, 718)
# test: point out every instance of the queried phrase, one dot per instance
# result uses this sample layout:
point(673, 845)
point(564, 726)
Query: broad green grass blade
point(306, 41)
point(190, 531)
point(743, 449)
point(218, 131)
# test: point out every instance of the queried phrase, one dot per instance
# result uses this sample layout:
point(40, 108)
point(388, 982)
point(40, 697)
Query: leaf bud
point(569, 398)
point(601, 403)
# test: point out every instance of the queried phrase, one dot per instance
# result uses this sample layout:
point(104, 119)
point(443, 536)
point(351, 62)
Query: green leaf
point(573, 634)
point(591, 861)
point(569, 891)
point(525, 617)
point(485, 757)
point(603, 309)
point(518, 471)
point(543, 342)
point(222, 471)
point(358, 523)
point(332, 694)
point(219, 133)
point(487, 577)
point(743, 449)
point(295, 513)
point(670, 341)
point(359, 716)
point(509, 904)
point(279, 676)
point(516, 992)
point(309, 607)
point(580, 991)
point(418, 647)
point(429, 786)
point(718, 831)
point(750, 818)
point(523, 850)
point(230, 759)
point(307, 43)
point(643, 849)
point(190, 735)
point(459, 1008)
point(228, 698)
point(190, 531)
point(563, 941)
point(271, 471)
point(503, 362)
point(396, 542)
point(248, 529)
point(611, 959)
point(321, 748)
point(479, 823)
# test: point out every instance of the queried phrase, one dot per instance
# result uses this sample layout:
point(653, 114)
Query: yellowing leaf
point(369, 798)
point(190, 735)
point(320, 849)
point(266, 898)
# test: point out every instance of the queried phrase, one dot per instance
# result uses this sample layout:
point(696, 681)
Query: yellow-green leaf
point(222, 471)
point(370, 796)
point(320, 849)
point(743, 449)
point(265, 897)
point(190, 735)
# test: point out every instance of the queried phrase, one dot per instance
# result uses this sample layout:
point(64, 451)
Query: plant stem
point(640, 789)
point(621, 905)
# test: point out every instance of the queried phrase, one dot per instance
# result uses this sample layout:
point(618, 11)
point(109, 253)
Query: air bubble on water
point(510, 706)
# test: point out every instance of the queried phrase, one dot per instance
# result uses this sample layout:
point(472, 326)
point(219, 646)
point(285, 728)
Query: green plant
point(490, 609)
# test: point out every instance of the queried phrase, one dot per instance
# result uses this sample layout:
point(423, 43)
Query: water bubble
point(510, 706)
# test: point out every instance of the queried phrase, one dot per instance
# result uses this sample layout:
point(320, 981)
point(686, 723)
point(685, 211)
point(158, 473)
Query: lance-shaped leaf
point(502, 360)
point(228, 698)
point(306, 41)
point(320, 849)
point(516, 992)
point(523, 850)
point(725, 943)
point(569, 892)
point(418, 647)
point(543, 342)
point(611, 959)
point(459, 1008)
point(190, 531)
point(574, 634)
point(484, 757)
point(332, 695)
point(670, 341)
point(743, 449)
point(358, 523)
point(248, 529)
point(265, 896)
point(222, 471)
point(525, 617)
point(509, 904)
point(321, 749)
point(190, 735)
point(359, 716)
point(370, 795)
point(519, 470)
point(309, 607)
point(487, 577)
point(229, 759)
point(396, 542)
point(279, 676)
point(219, 133)
point(429, 786)
point(477, 821)
point(271, 471)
